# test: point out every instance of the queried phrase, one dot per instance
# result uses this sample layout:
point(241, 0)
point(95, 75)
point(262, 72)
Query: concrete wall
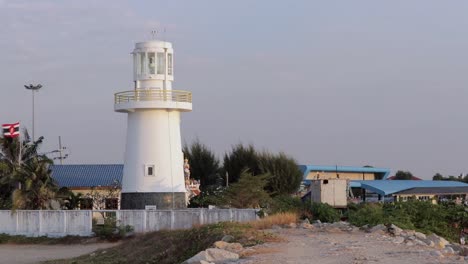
point(313, 175)
point(330, 191)
point(60, 223)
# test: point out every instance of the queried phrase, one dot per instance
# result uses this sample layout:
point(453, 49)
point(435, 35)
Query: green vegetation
point(403, 175)
point(285, 176)
point(16, 239)
point(445, 219)
point(25, 177)
point(324, 212)
point(204, 166)
point(172, 246)
point(111, 230)
point(252, 177)
point(248, 192)
point(440, 177)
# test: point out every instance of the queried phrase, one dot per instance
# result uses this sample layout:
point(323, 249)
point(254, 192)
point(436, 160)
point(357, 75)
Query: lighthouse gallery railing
point(153, 95)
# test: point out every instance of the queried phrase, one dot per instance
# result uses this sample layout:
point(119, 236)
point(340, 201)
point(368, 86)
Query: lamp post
point(33, 88)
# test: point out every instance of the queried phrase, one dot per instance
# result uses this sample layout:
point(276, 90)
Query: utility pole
point(33, 88)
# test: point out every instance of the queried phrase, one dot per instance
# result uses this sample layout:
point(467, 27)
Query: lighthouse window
point(149, 170)
point(142, 63)
point(169, 63)
point(151, 63)
point(161, 63)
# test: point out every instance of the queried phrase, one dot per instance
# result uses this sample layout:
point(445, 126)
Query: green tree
point(285, 174)
point(238, 160)
point(248, 192)
point(438, 177)
point(25, 174)
point(204, 166)
point(403, 175)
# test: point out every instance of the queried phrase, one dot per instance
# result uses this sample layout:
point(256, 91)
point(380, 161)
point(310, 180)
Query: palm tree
point(25, 174)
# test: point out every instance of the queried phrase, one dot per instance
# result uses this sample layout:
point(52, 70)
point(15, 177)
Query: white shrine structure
point(153, 174)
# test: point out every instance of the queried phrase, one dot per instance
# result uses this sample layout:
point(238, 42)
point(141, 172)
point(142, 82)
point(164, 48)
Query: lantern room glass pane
point(142, 63)
point(151, 62)
point(161, 63)
point(169, 63)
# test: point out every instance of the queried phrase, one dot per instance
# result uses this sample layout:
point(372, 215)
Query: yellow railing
point(140, 95)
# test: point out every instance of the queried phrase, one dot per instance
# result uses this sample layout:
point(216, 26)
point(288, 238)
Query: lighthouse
point(153, 174)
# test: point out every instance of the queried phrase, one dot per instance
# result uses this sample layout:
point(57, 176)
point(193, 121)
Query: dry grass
point(276, 219)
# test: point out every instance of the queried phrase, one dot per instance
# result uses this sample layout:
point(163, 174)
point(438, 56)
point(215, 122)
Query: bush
point(110, 230)
point(366, 214)
point(444, 219)
point(286, 203)
point(324, 212)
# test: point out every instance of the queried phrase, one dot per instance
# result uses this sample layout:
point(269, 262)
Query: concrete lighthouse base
point(138, 200)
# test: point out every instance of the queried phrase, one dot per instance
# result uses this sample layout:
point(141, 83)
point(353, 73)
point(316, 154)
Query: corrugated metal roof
point(390, 187)
point(436, 190)
point(87, 175)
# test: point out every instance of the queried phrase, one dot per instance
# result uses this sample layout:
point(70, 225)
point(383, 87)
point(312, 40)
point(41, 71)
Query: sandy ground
point(341, 247)
point(26, 254)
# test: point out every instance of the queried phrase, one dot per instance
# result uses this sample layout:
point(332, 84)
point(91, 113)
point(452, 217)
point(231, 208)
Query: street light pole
point(33, 88)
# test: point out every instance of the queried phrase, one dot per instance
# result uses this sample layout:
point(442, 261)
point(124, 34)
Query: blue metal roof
point(390, 187)
point(87, 175)
point(308, 168)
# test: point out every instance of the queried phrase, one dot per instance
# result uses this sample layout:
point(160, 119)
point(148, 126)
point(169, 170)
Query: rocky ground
point(342, 243)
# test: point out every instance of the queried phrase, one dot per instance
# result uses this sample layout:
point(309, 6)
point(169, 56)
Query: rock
point(431, 243)
point(292, 225)
point(436, 253)
point(104, 252)
point(411, 238)
point(217, 255)
point(398, 240)
point(305, 221)
point(205, 262)
point(317, 222)
point(419, 242)
point(394, 230)
point(212, 255)
point(92, 255)
point(377, 228)
point(449, 250)
point(227, 238)
point(276, 227)
point(466, 258)
point(410, 232)
point(456, 247)
point(419, 235)
point(409, 243)
point(200, 256)
point(231, 247)
point(306, 226)
point(438, 241)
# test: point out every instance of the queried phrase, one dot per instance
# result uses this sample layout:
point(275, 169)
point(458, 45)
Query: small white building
point(153, 166)
point(330, 191)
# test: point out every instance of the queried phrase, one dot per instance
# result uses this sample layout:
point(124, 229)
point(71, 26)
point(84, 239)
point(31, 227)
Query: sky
point(349, 83)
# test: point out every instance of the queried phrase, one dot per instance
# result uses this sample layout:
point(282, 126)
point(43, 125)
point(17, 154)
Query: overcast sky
point(380, 83)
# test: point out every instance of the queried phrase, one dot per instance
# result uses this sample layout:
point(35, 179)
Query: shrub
point(286, 203)
point(110, 230)
point(366, 214)
point(324, 212)
point(276, 219)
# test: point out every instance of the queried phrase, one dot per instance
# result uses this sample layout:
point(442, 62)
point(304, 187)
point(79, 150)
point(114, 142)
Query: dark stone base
point(161, 200)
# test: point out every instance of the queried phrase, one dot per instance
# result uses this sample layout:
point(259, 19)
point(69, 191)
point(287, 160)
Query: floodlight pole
point(33, 88)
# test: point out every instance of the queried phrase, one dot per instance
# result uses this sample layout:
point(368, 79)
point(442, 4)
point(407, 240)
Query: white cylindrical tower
point(153, 169)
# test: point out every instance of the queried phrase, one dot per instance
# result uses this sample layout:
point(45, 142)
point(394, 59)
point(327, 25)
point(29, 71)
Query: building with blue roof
point(87, 176)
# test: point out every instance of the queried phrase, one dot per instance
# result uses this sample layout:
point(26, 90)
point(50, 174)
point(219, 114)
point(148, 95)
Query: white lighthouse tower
point(153, 170)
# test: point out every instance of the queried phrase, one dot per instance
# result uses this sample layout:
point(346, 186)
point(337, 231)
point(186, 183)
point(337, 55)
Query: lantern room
point(153, 66)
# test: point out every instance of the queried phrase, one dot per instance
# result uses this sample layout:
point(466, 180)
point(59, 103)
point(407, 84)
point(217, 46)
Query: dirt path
point(339, 247)
point(26, 254)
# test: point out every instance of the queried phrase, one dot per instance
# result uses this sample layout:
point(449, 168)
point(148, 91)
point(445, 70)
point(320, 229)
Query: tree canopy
point(25, 177)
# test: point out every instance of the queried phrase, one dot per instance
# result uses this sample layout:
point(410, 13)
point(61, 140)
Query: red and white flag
point(11, 130)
